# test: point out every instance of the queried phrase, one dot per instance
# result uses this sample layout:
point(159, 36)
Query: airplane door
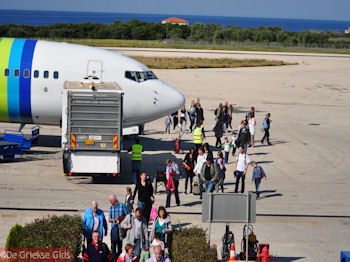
point(95, 68)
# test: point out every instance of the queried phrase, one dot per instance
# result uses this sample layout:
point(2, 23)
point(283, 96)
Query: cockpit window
point(140, 76)
point(131, 75)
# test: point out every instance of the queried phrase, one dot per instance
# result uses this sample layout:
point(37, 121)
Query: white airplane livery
point(33, 73)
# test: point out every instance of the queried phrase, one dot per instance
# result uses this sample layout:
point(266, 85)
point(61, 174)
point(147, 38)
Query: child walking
point(168, 123)
point(226, 146)
point(129, 200)
point(233, 143)
point(258, 175)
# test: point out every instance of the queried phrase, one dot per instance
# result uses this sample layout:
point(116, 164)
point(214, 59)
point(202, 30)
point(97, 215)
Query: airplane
point(33, 73)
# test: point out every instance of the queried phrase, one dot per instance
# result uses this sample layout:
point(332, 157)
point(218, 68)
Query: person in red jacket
point(128, 255)
point(96, 250)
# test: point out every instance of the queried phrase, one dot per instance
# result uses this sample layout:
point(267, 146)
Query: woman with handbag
point(172, 186)
point(220, 162)
point(188, 164)
point(163, 226)
point(145, 197)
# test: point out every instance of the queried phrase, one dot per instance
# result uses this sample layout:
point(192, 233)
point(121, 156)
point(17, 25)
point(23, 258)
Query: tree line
point(138, 30)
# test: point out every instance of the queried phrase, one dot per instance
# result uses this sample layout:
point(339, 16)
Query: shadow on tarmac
point(287, 259)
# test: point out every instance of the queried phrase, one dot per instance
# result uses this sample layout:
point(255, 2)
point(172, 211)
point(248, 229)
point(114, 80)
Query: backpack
point(262, 173)
point(264, 124)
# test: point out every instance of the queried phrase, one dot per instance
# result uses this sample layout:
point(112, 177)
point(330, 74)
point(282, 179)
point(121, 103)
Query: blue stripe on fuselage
point(25, 83)
point(13, 82)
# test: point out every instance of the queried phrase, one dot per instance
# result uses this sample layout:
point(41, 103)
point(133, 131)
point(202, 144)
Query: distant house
point(347, 31)
point(175, 20)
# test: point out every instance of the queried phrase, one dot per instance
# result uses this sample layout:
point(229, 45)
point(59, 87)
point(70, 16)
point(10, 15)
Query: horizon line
point(136, 13)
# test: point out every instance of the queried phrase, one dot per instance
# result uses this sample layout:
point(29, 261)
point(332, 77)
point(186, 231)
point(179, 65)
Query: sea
point(51, 17)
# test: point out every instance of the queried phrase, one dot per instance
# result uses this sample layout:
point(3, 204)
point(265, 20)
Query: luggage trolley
point(160, 178)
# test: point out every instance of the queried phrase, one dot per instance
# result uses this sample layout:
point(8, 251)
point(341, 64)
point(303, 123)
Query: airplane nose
point(173, 100)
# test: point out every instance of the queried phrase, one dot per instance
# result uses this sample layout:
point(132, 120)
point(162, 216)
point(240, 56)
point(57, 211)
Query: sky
point(300, 9)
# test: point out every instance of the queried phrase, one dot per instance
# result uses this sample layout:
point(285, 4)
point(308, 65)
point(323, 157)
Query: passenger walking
point(243, 136)
point(219, 113)
point(157, 242)
point(233, 143)
point(258, 175)
point(198, 135)
point(266, 127)
point(162, 226)
point(225, 109)
point(128, 255)
point(158, 255)
point(219, 132)
point(229, 116)
point(188, 164)
point(209, 174)
point(129, 200)
point(247, 115)
point(175, 116)
point(183, 118)
point(199, 113)
point(251, 124)
point(241, 168)
point(221, 162)
point(227, 147)
point(208, 151)
point(192, 114)
point(168, 123)
point(96, 250)
point(94, 219)
point(201, 159)
point(136, 159)
point(117, 213)
point(135, 226)
point(173, 176)
point(145, 201)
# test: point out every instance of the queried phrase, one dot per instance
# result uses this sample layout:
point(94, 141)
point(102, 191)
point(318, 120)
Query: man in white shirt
point(241, 168)
point(201, 159)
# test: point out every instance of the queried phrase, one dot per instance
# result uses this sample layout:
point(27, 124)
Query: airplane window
point(26, 73)
point(7, 72)
point(36, 73)
point(46, 74)
point(16, 72)
point(55, 75)
point(131, 75)
point(151, 75)
point(140, 76)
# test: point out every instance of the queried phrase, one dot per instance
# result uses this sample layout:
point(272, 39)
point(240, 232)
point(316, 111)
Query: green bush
point(14, 237)
point(50, 232)
point(191, 245)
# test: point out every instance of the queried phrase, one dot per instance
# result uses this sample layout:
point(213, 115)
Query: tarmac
point(304, 213)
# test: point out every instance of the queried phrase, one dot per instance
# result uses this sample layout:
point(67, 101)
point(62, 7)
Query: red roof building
point(175, 20)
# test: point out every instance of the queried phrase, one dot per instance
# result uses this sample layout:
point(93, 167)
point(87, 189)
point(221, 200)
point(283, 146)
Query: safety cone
point(232, 253)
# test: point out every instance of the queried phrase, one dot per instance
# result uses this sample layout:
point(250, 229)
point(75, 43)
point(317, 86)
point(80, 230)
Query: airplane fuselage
point(33, 73)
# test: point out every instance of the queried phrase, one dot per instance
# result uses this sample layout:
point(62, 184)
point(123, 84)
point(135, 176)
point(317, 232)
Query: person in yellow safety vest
point(198, 135)
point(136, 158)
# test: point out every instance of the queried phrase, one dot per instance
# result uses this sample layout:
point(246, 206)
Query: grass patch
point(190, 62)
point(184, 45)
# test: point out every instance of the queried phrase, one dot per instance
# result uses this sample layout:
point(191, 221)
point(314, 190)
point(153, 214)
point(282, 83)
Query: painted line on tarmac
point(175, 212)
point(314, 223)
point(177, 219)
point(40, 209)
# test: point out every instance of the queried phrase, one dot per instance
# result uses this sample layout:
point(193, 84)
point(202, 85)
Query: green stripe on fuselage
point(5, 50)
